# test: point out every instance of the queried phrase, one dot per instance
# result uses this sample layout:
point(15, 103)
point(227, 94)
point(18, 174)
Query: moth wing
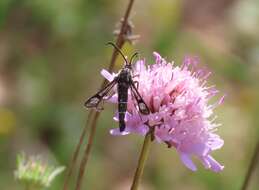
point(93, 101)
point(143, 108)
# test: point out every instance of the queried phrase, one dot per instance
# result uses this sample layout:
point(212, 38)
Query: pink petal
point(140, 66)
point(107, 75)
point(200, 149)
point(187, 161)
point(157, 57)
point(113, 99)
point(156, 102)
point(127, 116)
point(116, 132)
point(221, 100)
point(170, 87)
point(141, 129)
point(214, 165)
point(215, 142)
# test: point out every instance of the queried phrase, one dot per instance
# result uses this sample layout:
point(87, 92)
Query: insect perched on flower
point(124, 81)
point(180, 114)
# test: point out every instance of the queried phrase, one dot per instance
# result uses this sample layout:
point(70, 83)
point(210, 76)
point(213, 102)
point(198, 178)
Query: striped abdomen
point(122, 103)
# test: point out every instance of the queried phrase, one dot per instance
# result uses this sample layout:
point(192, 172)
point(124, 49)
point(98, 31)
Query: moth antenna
point(118, 49)
point(133, 56)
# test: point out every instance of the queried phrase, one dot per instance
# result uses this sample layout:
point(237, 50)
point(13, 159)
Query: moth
point(124, 82)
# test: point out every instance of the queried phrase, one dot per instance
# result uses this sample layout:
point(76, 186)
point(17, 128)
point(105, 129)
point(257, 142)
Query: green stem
point(251, 167)
point(76, 153)
point(87, 152)
point(141, 162)
point(119, 42)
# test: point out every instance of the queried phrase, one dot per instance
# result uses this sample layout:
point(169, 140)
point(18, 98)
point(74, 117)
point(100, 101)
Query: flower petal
point(116, 132)
point(157, 57)
point(107, 75)
point(210, 163)
point(188, 162)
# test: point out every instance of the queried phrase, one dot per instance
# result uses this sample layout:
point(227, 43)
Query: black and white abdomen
point(122, 103)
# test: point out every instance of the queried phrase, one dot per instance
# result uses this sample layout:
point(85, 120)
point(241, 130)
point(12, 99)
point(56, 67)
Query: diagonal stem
point(119, 42)
point(251, 168)
point(142, 160)
point(75, 154)
point(87, 151)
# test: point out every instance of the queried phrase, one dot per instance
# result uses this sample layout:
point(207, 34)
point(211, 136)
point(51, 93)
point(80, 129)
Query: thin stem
point(120, 42)
point(87, 151)
point(251, 168)
point(75, 154)
point(142, 160)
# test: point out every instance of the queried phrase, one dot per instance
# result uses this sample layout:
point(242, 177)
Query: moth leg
point(135, 102)
point(136, 83)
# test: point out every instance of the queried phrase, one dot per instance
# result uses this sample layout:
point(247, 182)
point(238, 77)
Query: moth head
point(128, 63)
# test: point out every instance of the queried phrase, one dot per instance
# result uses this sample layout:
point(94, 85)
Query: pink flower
point(180, 113)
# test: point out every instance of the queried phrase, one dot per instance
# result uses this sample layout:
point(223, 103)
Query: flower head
point(34, 172)
point(180, 112)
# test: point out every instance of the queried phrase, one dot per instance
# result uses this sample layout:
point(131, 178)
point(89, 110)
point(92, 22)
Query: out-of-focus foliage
point(51, 53)
point(33, 173)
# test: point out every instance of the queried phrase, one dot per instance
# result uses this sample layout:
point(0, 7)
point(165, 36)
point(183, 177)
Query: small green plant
point(34, 173)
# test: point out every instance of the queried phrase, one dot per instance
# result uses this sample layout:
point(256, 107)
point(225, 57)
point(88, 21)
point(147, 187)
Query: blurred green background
point(51, 54)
